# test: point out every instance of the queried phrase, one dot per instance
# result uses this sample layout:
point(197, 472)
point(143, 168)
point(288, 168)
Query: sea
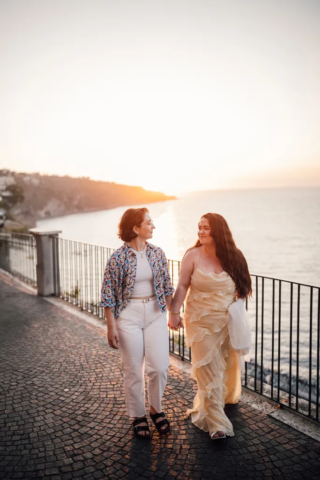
point(278, 231)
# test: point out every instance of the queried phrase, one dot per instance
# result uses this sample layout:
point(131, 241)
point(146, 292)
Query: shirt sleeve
point(109, 285)
point(167, 285)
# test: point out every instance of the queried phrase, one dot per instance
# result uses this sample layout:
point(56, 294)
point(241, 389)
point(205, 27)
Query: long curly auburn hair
point(232, 259)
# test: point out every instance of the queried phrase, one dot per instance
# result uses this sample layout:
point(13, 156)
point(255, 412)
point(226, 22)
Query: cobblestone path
point(62, 412)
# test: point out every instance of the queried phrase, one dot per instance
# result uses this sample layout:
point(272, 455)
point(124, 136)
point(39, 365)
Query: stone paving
point(62, 413)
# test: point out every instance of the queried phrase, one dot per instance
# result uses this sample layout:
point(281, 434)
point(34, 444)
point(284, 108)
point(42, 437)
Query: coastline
point(92, 210)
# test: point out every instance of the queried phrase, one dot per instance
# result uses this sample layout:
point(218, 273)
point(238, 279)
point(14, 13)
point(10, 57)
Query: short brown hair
point(133, 217)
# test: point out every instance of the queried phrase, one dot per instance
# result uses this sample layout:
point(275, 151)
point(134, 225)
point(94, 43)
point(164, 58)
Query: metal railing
point(285, 321)
point(79, 274)
point(284, 317)
point(18, 256)
point(177, 340)
point(285, 355)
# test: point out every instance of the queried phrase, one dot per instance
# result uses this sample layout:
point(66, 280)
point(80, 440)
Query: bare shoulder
point(191, 255)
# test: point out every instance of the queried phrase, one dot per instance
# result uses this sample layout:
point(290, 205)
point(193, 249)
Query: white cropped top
point(143, 285)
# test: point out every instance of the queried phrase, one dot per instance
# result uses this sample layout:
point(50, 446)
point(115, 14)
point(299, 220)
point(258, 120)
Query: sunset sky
point(172, 95)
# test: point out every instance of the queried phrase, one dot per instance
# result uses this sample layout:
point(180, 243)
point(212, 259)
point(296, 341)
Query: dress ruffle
point(210, 356)
point(196, 316)
point(215, 365)
point(196, 333)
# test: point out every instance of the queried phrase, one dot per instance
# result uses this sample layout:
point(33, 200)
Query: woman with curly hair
point(136, 292)
point(214, 273)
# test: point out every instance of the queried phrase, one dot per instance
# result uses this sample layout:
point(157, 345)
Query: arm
point(113, 336)
point(169, 299)
point(108, 301)
point(168, 288)
point(181, 292)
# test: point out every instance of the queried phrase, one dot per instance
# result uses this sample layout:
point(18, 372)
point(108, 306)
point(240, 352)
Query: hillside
point(52, 195)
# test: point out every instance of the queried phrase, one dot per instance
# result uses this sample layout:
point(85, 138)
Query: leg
point(129, 326)
point(157, 360)
point(208, 407)
point(233, 377)
point(131, 341)
point(232, 381)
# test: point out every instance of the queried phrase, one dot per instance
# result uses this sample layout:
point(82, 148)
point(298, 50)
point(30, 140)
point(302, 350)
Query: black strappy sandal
point(142, 428)
point(160, 424)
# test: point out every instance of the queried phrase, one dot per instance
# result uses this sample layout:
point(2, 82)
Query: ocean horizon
point(277, 229)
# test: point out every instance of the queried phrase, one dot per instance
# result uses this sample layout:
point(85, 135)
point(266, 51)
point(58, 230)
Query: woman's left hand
point(175, 322)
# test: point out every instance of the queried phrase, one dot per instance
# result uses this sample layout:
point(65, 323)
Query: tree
point(17, 196)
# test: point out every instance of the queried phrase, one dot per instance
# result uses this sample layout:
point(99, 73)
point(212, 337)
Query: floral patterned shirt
point(120, 275)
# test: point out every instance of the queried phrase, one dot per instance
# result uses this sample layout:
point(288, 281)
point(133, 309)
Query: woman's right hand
point(175, 322)
point(113, 337)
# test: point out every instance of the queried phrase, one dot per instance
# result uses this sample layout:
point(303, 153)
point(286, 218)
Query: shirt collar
point(128, 247)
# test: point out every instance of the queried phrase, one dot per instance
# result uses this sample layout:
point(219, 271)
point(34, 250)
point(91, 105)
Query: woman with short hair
point(214, 273)
point(136, 292)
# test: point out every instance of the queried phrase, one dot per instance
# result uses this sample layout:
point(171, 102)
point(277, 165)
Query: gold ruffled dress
point(215, 365)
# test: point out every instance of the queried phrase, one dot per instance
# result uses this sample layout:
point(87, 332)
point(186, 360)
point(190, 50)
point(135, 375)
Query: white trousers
point(143, 339)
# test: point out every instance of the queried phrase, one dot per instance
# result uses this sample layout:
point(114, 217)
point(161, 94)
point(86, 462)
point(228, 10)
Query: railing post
point(56, 265)
point(46, 261)
point(5, 242)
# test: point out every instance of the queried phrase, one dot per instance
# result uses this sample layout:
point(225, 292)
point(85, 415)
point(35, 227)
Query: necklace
point(141, 253)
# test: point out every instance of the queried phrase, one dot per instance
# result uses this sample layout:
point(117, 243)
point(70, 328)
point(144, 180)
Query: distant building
point(2, 217)
point(5, 182)
point(31, 179)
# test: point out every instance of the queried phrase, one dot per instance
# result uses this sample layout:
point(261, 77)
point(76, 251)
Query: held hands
point(175, 322)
